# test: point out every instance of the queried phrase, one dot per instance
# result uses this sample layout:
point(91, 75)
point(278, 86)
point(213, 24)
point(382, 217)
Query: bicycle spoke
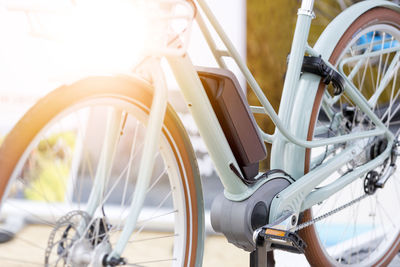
point(152, 261)
point(153, 238)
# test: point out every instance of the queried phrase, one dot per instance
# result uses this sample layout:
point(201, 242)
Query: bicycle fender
point(294, 155)
point(334, 31)
point(126, 79)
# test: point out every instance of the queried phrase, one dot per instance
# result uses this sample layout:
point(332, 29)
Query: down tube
point(208, 125)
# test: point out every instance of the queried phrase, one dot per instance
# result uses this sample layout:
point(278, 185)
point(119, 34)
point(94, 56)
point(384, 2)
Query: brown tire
point(316, 253)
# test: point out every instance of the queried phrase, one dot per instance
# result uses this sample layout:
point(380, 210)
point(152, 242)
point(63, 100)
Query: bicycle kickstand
point(261, 257)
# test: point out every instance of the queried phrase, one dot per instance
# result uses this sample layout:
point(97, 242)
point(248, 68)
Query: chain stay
point(385, 175)
point(313, 221)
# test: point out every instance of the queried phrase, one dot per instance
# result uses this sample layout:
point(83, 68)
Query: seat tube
point(304, 18)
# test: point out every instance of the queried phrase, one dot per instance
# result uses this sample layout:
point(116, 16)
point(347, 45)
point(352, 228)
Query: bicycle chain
point(319, 218)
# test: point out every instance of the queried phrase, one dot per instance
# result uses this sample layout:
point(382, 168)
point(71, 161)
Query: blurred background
point(38, 53)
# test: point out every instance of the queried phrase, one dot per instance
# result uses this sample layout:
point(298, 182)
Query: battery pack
point(234, 115)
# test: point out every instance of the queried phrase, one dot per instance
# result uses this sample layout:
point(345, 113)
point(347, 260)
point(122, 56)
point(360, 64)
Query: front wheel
point(49, 163)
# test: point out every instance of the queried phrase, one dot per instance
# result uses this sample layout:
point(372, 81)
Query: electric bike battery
point(234, 115)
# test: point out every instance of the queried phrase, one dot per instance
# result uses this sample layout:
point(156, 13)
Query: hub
point(79, 241)
point(378, 147)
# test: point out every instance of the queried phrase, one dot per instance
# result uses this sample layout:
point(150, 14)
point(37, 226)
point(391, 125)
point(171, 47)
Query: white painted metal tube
point(106, 159)
point(208, 125)
point(151, 144)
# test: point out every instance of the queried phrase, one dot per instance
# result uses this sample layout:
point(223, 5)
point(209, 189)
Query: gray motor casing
point(233, 219)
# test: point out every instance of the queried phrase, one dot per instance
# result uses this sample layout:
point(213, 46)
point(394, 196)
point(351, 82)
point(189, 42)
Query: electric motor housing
point(238, 220)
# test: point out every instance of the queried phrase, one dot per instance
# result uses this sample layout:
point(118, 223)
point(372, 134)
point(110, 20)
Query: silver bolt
point(294, 220)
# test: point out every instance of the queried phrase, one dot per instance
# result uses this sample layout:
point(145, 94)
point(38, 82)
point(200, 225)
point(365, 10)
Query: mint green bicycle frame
point(289, 142)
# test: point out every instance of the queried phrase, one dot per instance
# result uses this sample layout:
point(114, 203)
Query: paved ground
point(218, 252)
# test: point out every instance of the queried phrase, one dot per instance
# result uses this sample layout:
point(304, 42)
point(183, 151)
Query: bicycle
point(333, 158)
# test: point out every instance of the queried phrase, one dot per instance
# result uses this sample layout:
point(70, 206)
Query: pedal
point(280, 239)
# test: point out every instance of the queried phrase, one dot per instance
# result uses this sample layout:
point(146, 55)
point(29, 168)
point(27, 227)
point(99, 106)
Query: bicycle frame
point(290, 138)
point(285, 141)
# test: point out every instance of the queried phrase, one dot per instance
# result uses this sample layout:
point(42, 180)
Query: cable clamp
point(317, 66)
point(306, 12)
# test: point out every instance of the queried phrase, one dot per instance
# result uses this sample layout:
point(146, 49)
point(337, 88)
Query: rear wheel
point(368, 232)
point(49, 162)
